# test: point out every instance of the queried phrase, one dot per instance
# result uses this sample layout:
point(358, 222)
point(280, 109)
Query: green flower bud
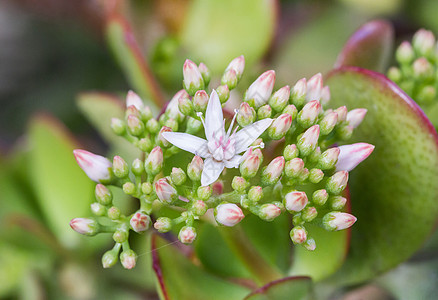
point(308, 141)
point(290, 152)
point(110, 258)
point(204, 192)
point(310, 244)
point(118, 126)
point(205, 72)
point(137, 167)
point(294, 167)
point(187, 234)
point(193, 79)
point(145, 144)
point(280, 126)
point(121, 235)
point(315, 175)
point(250, 166)
point(135, 125)
point(85, 226)
point(290, 110)
point(427, 94)
point(163, 224)
point(298, 93)
point(172, 124)
point(194, 169)
point(199, 208)
point(264, 112)
point(304, 175)
point(337, 202)
point(129, 188)
point(246, 115)
point(114, 213)
point(309, 114)
point(230, 79)
point(345, 132)
point(405, 53)
point(280, 99)
point(103, 194)
point(309, 214)
point(395, 74)
point(239, 184)
point(298, 235)
point(98, 209)
point(328, 158)
point(178, 176)
point(152, 126)
point(272, 172)
point(193, 126)
point(146, 188)
point(128, 258)
point(200, 101)
point(154, 161)
point(328, 123)
point(185, 106)
point(223, 92)
point(269, 212)
point(320, 197)
point(337, 183)
point(255, 193)
point(120, 167)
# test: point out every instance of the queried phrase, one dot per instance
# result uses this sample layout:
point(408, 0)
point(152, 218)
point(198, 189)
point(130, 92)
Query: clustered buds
point(263, 185)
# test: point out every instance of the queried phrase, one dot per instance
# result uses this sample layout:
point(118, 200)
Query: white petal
point(214, 117)
point(135, 100)
point(246, 136)
point(187, 142)
point(352, 155)
point(234, 162)
point(211, 172)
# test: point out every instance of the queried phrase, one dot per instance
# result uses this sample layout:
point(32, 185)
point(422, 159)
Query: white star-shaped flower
point(221, 149)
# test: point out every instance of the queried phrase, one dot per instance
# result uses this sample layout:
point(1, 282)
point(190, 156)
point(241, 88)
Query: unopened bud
point(316, 175)
point(85, 226)
point(325, 95)
point(152, 126)
point(309, 214)
point(342, 113)
point(423, 42)
point(193, 79)
point(426, 95)
point(280, 98)
point(128, 258)
point(187, 234)
point(255, 193)
point(308, 141)
point(405, 54)
point(140, 222)
point(114, 213)
point(193, 126)
point(194, 169)
point(135, 125)
point(269, 212)
point(129, 188)
point(200, 101)
point(310, 244)
point(298, 94)
point(98, 209)
point(199, 208)
point(237, 65)
point(314, 88)
point(97, 168)
point(165, 192)
point(185, 106)
point(295, 201)
point(328, 158)
point(146, 188)
point(290, 110)
point(132, 99)
point(320, 197)
point(337, 202)
point(338, 220)
point(422, 68)
point(172, 109)
point(290, 152)
point(304, 175)
point(395, 74)
point(161, 140)
point(298, 235)
point(352, 155)
point(154, 162)
point(345, 132)
point(223, 93)
point(110, 258)
point(250, 166)
point(271, 174)
point(163, 224)
point(260, 90)
point(178, 176)
point(118, 126)
point(217, 188)
point(205, 72)
point(356, 116)
point(120, 167)
point(309, 114)
point(246, 115)
point(229, 79)
point(328, 123)
point(239, 184)
point(264, 112)
point(204, 192)
point(294, 167)
point(137, 167)
point(132, 111)
point(103, 194)
point(228, 214)
point(280, 126)
point(337, 183)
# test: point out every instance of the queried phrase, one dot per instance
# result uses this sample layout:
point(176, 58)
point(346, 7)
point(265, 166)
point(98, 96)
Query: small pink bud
point(273, 171)
point(280, 126)
point(294, 167)
point(405, 54)
point(342, 113)
point(299, 91)
point(200, 101)
point(194, 169)
point(140, 222)
point(325, 95)
point(172, 109)
point(328, 122)
point(337, 183)
point(85, 226)
point(298, 235)
point(217, 188)
point(338, 221)
point(423, 41)
point(280, 98)
point(193, 80)
point(310, 244)
point(308, 141)
point(255, 193)
point(187, 234)
point(120, 167)
point(228, 214)
point(356, 116)
point(97, 168)
point(161, 139)
point(328, 158)
point(352, 155)
point(245, 115)
point(250, 166)
point(314, 88)
point(128, 258)
point(205, 72)
point(165, 192)
point(422, 67)
point(154, 162)
point(269, 212)
point(295, 201)
point(260, 90)
point(238, 65)
point(132, 99)
point(309, 114)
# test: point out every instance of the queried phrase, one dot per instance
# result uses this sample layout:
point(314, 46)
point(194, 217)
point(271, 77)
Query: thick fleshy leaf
point(127, 52)
point(215, 32)
point(297, 288)
point(369, 47)
point(63, 190)
point(394, 193)
point(179, 278)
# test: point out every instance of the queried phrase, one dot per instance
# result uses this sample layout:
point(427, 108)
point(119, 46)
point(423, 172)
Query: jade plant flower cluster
point(278, 154)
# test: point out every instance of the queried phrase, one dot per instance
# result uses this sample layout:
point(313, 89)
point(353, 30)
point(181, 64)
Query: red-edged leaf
point(297, 288)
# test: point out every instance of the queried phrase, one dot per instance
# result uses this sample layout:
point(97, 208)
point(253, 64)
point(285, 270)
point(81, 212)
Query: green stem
point(239, 243)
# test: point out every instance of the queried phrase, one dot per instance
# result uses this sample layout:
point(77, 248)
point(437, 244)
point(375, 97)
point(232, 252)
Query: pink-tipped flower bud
point(239, 183)
point(314, 88)
point(140, 222)
point(290, 110)
point(422, 68)
point(356, 116)
point(172, 109)
point(217, 188)
point(298, 94)
point(294, 167)
point(352, 155)
point(97, 168)
point(290, 152)
point(199, 208)
point(250, 166)
point(337, 183)
point(405, 54)
point(154, 162)
point(187, 234)
point(195, 167)
point(342, 113)
point(337, 202)
point(128, 258)
point(325, 95)
point(85, 226)
point(193, 79)
point(338, 220)
point(110, 257)
point(260, 90)
point(298, 235)
point(237, 65)
point(132, 99)
point(205, 72)
point(135, 125)
point(103, 194)
point(185, 106)
point(255, 193)
point(271, 174)
point(165, 191)
point(264, 112)
point(320, 197)
point(230, 79)
point(200, 101)
point(280, 126)
point(269, 212)
point(423, 41)
point(316, 175)
point(223, 93)
point(163, 224)
point(178, 176)
point(310, 244)
point(309, 114)
point(308, 141)
point(120, 167)
point(228, 214)
point(328, 123)
point(204, 192)
point(160, 138)
point(245, 115)
point(280, 98)
point(309, 214)
point(328, 158)
point(295, 201)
